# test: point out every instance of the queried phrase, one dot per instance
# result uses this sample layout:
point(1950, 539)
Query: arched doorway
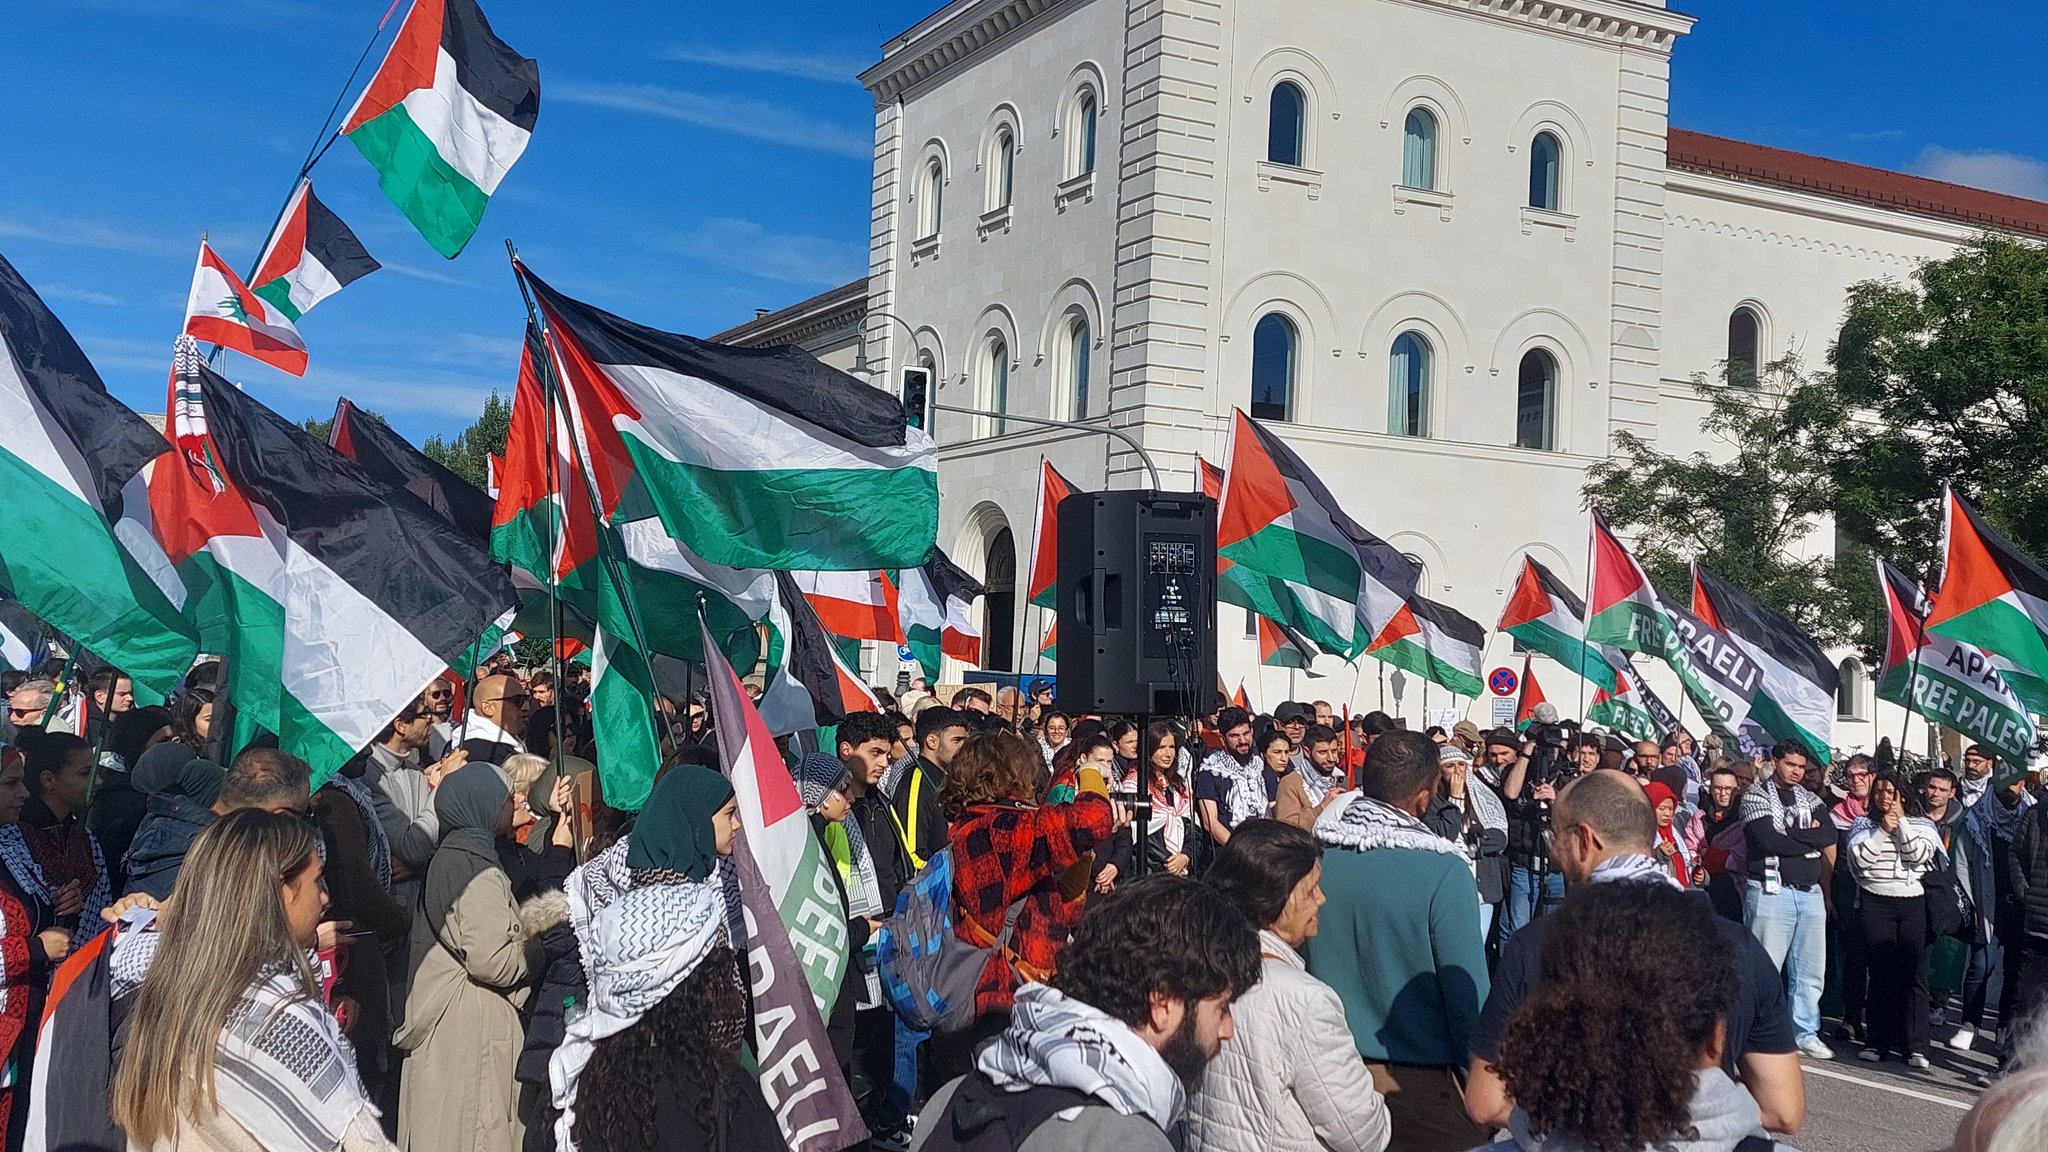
point(999, 617)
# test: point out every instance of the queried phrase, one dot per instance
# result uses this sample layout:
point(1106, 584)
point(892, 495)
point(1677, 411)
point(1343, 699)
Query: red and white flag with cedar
point(221, 310)
point(1045, 536)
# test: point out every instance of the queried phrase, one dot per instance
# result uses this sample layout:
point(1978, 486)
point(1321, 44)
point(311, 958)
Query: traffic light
point(917, 396)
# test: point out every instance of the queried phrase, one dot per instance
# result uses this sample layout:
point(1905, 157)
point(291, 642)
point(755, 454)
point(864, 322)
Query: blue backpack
point(927, 972)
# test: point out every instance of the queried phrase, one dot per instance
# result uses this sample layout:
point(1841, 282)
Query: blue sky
point(695, 161)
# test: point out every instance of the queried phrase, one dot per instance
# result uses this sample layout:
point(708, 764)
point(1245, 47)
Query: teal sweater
point(1400, 944)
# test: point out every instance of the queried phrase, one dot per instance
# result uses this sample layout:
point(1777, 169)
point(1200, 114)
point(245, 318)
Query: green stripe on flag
point(278, 293)
point(1568, 650)
point(439, 201)
point(2001, 627)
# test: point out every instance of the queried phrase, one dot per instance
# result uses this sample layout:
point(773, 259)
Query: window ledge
point(996, 220)
point(1534, 218)
point(1423, 198)
point(1271, 174)
point(1081, 189)
point(924, 248)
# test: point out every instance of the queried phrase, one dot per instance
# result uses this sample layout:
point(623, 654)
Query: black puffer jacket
point(2026, 871)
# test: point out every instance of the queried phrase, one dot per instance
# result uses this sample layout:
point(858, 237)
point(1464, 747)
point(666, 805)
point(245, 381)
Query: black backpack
point(984, 1118)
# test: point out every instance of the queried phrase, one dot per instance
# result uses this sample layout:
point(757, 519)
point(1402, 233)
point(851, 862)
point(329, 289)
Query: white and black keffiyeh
point(1056, 1041)
point(1762, 799)
point(1246, 795)
point(637, 948)
point(1635, 867)
point(373, 828)
point(285, 1072)
point(1315, 783)
point(1363, 824)
point(21, 863)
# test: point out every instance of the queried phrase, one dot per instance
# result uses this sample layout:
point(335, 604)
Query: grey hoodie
point(1723, 1116)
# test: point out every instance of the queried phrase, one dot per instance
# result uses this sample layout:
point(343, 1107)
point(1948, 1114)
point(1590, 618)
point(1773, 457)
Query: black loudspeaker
point(1137, 603)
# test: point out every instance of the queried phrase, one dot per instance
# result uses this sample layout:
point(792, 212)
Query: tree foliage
point(468, 454)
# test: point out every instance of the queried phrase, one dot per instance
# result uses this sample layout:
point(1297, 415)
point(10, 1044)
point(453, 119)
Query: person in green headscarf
point(690, 820)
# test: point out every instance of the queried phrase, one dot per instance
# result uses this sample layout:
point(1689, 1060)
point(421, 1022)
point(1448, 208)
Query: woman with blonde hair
point(229, 1045)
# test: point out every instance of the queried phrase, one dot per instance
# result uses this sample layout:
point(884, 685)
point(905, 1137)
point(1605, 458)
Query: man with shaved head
point(1604, 829)
point(497, 712)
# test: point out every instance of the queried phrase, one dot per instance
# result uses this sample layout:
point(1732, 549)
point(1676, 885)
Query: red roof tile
point(1738, 160)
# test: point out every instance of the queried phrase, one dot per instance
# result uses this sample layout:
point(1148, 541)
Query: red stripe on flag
point(1045, 535)
point(1402, 626)
point(409, 65)
point(1257, 494)
point(1615, 575)
point(1971, 576)
point(288, 245)
point(1529, 601)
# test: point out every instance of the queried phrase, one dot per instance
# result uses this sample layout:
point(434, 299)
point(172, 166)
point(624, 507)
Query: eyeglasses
point(19, 713)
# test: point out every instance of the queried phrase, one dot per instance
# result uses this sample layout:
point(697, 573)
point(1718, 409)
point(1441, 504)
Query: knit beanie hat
point(818, 777)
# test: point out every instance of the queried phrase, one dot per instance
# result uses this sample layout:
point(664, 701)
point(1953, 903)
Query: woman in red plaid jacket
point(1008, 849)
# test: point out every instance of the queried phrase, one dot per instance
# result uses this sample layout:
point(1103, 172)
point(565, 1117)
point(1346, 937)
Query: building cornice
point(841, 308)
point(1617, 23)
point(954, 33)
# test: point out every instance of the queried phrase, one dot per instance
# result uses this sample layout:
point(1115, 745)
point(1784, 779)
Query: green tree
point(1743, 511)
point(1948, 378)
point(468, 454)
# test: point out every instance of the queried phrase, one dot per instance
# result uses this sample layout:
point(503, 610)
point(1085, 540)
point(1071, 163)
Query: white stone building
point(1449, 247)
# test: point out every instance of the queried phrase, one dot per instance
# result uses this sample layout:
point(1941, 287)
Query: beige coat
point(461, 1032)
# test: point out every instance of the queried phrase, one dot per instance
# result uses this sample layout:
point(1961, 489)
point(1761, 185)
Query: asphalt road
point(1852, 1106)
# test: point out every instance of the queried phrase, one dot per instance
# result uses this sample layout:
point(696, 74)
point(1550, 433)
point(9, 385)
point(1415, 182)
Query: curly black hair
point(1158, 933)
point(679, 1049)
point(1635, 977)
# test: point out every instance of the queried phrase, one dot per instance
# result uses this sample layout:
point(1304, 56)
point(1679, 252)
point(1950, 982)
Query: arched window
point(998, 376)
point(1849, 689)
point(1536, 401)
point(1546, 171)
point(1078, 339)
point(999, 602)
point(930, 364)
point(1002, 170)
point(1744, 335)
point(929, 196)
point(1418, 149)
point(1287, 125)
point(1084, 134)
point(1273, 344)
point(1408, 386)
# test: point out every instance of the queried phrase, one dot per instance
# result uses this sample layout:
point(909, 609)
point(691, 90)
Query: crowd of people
point(1296, 931)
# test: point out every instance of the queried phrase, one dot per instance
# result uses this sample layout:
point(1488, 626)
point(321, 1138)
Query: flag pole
point(554, 567)
point(1913, 675)
point(1588, 615)
point(614, 570)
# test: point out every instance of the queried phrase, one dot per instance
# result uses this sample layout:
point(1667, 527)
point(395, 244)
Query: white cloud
point(745, 246)
point(474, 350)
point(2007, 172)
point(774, 62)
point(430, 275)
point(757, 119)
point(82, 233)
point(82, 295)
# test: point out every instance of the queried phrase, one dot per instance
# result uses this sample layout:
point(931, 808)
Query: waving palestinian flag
point(1795, 700)
point(937, 602)
point(1045, 536)
point(71, 462)
point(1993, 597)
point(1283, 647)
point(810, 686)
point(1629, 707)
point(855, 605)
point(1436, 642)
point(1212, 479)
point(1947, 681)
point(1049, 648)
point(1547, 617)
point(1624, 612)
point(446, 115)
point(221, 310)
point(393, 461)
point(1530, 696)
point(311, 256)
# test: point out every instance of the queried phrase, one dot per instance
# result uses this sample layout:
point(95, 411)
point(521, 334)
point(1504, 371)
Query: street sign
point(1503, 681)
point(904, 653)
point(1503, 712)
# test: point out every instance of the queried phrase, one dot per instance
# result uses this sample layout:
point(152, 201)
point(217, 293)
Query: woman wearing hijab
point(31, 945)
point(658, 1045)
point(52, 855)
point(470, 966)
point(1679, 833)
point(178, 789)
point(550, 858)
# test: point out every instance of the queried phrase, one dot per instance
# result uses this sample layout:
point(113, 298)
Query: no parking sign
point(1503, 681)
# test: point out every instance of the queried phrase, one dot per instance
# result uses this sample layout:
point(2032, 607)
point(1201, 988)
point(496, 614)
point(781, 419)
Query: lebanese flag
point(856, 605)
point(1045, 536)
point(812, 687)
point(311, 256)
point(1624, 612)
point(221, 310)
point(1995, 597)
point(1532, 695)
point(446, 115)
point(798, 956)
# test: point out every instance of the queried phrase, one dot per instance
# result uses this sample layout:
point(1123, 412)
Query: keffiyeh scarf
point(1636, 867)
point(1246, 797)
point(1364, 824)
point(28, 872)
point(636, 950)
point(1762, 799)
point(1172, 809)
point(1059, 1042)
point(1313, 782)
point(285, 1072)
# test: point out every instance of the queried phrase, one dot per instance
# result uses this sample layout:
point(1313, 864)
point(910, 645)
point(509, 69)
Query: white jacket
point(1289, 1079)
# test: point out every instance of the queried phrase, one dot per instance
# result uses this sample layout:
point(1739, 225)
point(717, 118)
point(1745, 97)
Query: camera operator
point(1553, 753)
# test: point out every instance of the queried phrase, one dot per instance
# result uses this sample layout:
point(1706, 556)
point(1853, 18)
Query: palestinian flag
point(445, 117)
point(1531, 696)
point(21, 635)
point(1796, 698)
point(1295, 556)
point(71, 463)
point(1947, 681)
point(1282, 647)
point(311, 256)
point(621, 689)
point(1548, 618)
point(73, 1070)
point(810, 686)
point(379, 594)
point(1211, 478)
point(221, 310)
point(1628, 708)
point(1049, 648)
point(1995, 598)
point(799, 956)
point(392, 460)
point(1240, 699)
point(1624, 612)
point(1045, 536)
point(1720, 676)
point(937, 603)
point(1436, 642)
point(752, 457)
point(854, 605)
